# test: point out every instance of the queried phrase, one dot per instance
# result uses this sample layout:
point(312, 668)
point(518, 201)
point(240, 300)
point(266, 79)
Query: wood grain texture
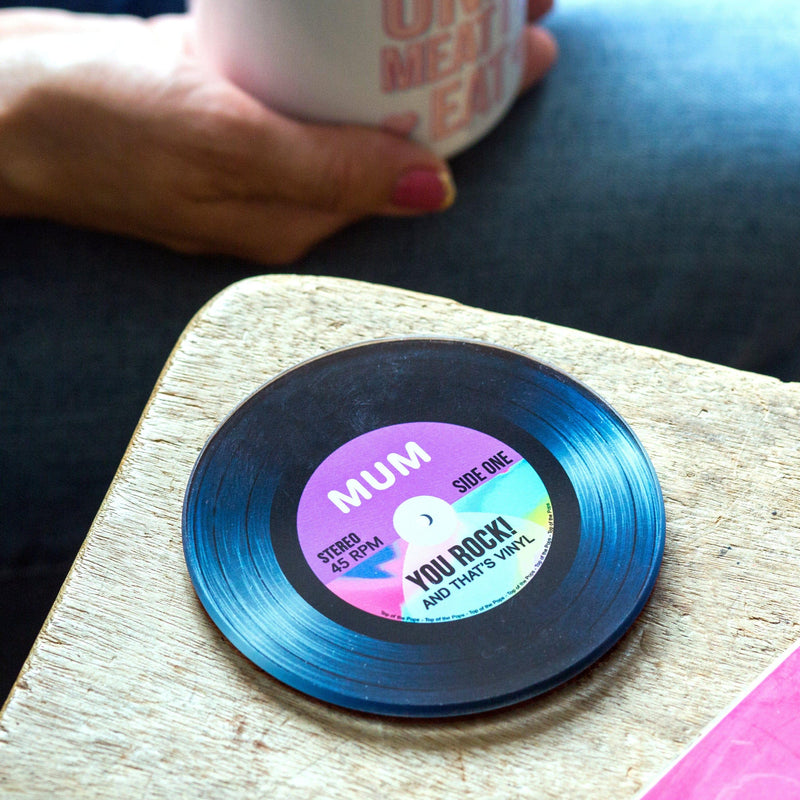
point(131, 691)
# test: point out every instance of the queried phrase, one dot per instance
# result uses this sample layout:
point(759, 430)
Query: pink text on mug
point(469, 61)
point(441, 71)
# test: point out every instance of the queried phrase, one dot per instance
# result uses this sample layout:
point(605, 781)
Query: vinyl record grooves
point(423, 527)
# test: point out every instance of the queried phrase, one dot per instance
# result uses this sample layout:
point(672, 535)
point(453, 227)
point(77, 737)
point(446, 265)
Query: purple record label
point(425, 522)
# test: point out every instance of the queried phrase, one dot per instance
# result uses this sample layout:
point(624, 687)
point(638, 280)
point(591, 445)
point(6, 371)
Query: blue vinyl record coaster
point(423, 527)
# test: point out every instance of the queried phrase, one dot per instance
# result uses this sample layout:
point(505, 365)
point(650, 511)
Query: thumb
point(355, 171)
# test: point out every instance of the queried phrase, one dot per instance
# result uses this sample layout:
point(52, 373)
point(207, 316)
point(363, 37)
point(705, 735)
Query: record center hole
point(425, 520)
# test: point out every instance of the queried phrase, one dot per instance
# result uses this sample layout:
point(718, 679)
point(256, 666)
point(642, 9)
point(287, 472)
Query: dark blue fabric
point(140, 8)
point(648, 191)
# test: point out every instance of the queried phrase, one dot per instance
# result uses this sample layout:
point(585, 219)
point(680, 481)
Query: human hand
point(541, 50)
point(113, 123)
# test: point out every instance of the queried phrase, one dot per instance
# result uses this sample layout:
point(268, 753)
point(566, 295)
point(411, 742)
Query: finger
point(355, 171)
point(538, 8)
point(267, 233)
point(541, 52)
point(344, 169)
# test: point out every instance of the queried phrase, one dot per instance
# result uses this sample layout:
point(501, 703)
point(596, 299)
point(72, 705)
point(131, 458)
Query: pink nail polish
point(424, 189)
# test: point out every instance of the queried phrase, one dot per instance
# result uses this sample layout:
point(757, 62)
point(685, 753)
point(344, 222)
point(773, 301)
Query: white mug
point(441, 71)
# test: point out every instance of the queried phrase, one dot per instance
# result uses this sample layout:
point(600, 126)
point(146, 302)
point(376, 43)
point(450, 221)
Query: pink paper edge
point(742, 754)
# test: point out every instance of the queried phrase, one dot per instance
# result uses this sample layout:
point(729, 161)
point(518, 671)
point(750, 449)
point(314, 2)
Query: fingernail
point(424, 189)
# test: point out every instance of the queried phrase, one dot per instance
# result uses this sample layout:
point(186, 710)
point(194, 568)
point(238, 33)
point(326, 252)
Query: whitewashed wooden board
point(130, 690)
